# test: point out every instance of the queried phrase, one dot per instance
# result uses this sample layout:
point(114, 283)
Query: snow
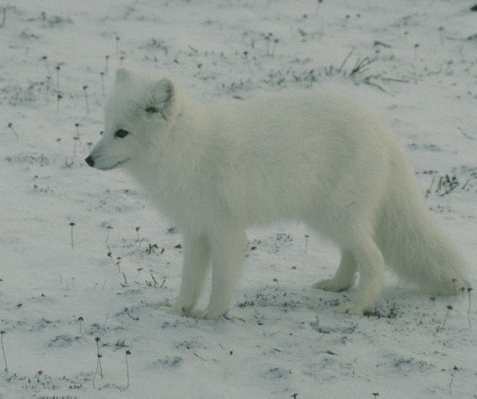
point(89, 267)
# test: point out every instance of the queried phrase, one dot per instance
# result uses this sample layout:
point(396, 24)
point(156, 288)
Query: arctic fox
point(215, 169)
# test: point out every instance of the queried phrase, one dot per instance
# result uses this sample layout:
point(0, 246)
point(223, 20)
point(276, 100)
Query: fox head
point(140, 111)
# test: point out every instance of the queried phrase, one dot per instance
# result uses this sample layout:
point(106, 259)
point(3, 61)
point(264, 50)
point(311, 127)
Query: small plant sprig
point(80, 320)
point(117, 262)
point(85, 91)
point(99, 368)
point(125, 284)
point(110, 256)
point(77, 126)
point(47, 66)
point(118, 39)
point(152, 249)
point(128, 353)
point(271, 44)
point(77, 139)
point(72, 225)
point(331, 70)
point(103, 91)
point(2, 333)
point(59, 97)
point(441, 328)
point(154, 282)
point(306, 242)
point(58, 69)
point(10, 126)
point(455, 369)
point(469, 291)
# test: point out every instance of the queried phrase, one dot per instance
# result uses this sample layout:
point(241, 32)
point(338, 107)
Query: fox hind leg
point(370, 265)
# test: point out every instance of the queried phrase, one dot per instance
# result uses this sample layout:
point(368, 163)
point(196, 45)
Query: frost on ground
point(88, 267)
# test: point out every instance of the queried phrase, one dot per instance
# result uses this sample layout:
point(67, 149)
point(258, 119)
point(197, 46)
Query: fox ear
point(162, 100)
point(163, 92)
point(122, 75)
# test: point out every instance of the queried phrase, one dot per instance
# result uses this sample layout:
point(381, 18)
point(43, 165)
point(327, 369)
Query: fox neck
point(177, 156)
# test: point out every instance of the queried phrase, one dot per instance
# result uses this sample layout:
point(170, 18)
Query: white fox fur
point(215, 169)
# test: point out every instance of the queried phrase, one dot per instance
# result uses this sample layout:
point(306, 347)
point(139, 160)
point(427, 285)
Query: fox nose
point(90, 161)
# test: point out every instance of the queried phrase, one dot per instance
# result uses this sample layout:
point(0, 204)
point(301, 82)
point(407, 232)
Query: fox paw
point(331, 285)
point(353, 309)
point(206, 314)
point(179, 310)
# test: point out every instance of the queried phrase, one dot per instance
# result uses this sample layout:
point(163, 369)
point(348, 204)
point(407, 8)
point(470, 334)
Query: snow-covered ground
point(88, 267)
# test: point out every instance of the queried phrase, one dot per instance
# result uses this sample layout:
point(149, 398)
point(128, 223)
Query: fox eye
point(152, 110)
point(121, 133)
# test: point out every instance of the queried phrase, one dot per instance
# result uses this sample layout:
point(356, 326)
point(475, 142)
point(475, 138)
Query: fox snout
point(90, 161)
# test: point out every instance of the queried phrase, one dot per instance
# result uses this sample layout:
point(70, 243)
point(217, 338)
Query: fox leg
point(194, 270)
point(344, 277)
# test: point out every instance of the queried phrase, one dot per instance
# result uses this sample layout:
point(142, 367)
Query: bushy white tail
point(415, 247)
